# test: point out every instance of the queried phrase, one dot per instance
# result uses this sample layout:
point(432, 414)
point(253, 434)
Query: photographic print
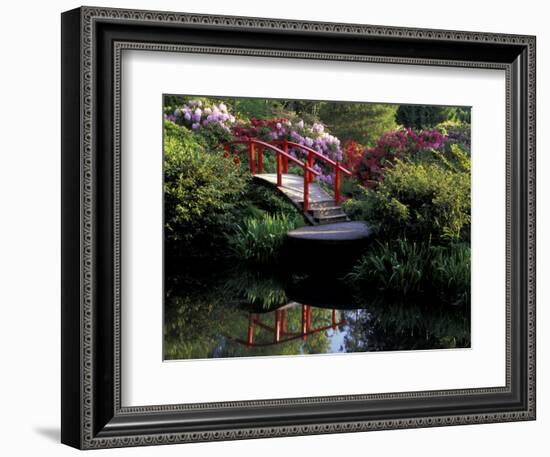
point(297, 227)
point(304, 209)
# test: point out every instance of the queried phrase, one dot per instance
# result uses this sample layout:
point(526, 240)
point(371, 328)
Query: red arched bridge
point(318, 205)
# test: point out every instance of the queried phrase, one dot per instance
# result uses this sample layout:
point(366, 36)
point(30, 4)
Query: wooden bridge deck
point(293, 188)
point(322, 209)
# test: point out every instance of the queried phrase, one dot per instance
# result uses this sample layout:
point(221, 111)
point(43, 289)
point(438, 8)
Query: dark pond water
point(247, 313)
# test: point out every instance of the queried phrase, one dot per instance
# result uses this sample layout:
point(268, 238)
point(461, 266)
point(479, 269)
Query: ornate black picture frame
point(92, 41)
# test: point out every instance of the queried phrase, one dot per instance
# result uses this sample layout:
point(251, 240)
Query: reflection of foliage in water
point(211, 320)
point(206, 321)
point(400, 325)
point(193, 325)
point(205, 330)
point(257, 289)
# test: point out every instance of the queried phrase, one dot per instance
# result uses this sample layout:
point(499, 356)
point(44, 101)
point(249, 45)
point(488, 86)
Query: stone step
point(327, 211)
point(331, 219)
point(320, 204)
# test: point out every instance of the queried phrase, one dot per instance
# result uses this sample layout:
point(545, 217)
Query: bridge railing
point(312, 154)
point(283, 157)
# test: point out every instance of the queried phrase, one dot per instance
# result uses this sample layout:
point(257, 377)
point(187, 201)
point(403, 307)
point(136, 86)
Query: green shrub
point(360, 206)
point(202, 195)
point(259, 240)
point(457, 132)
point(418, 201)
point(407, 268)
point(399, 266)
point(350, 188)
point(453, 159)
point(213, 137)
point(451, 271)
point(271, 201)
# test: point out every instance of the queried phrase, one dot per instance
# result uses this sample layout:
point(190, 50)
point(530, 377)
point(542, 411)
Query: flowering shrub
point(195, 115)
point(352, 153)
point(210, 121)
point(391, 146)
point(312, 135)
point(457, 133)
point(262, 129)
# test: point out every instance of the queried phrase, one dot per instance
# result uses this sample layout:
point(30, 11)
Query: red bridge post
point(306, 190)
point(310, 165)
point(279, 165)
point(260, 159)
point(285, 160)
point(337, 183)
point(251, 153)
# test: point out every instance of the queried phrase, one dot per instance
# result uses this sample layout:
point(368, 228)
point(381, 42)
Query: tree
point(260, 108)
point(420, 116)
point(361, 122)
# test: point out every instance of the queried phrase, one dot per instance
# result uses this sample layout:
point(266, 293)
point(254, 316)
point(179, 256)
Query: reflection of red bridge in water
point(279, 330)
